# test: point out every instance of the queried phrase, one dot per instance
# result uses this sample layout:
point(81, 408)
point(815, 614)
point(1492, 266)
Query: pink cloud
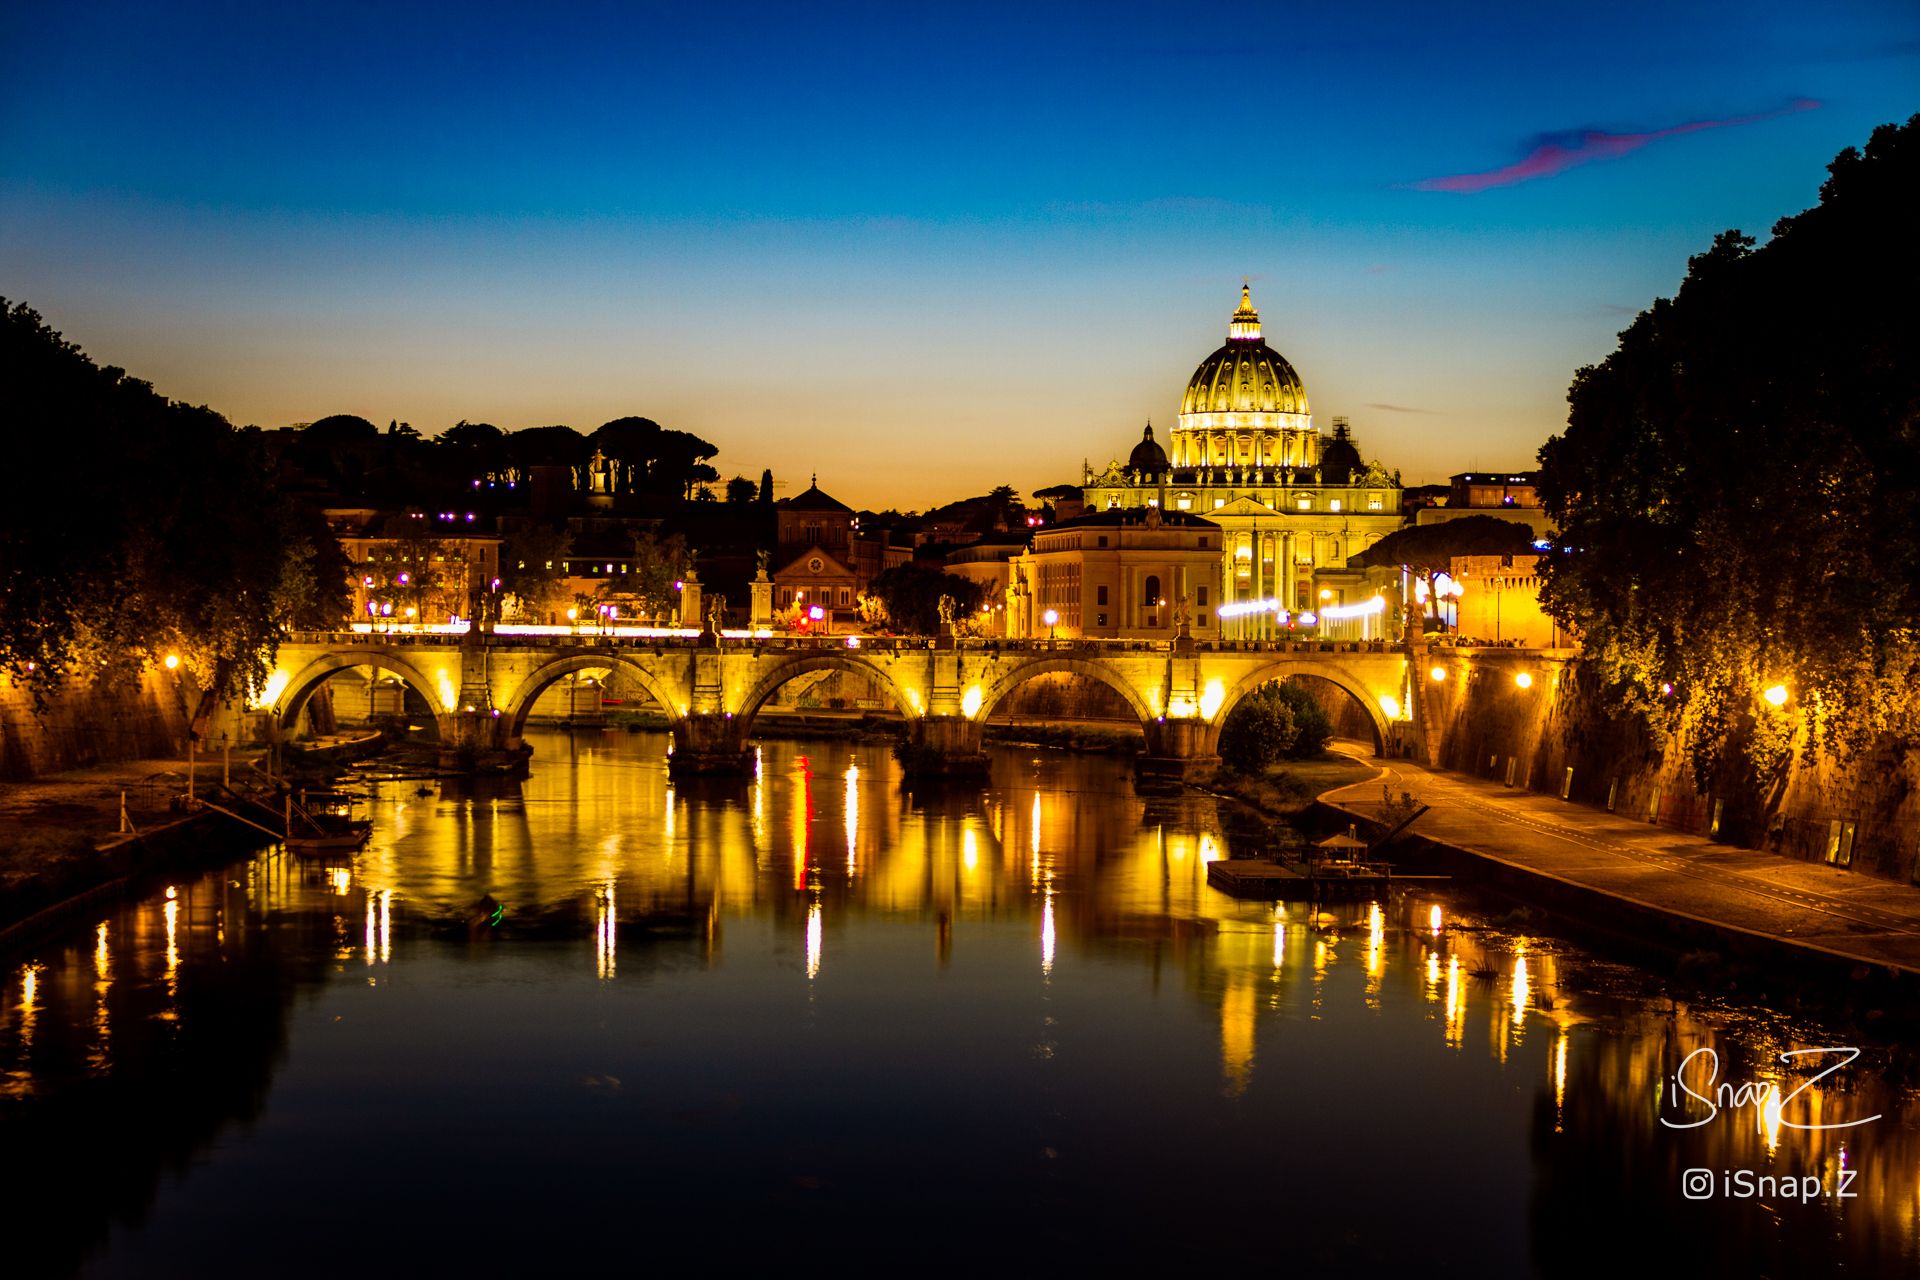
point(1553, 153)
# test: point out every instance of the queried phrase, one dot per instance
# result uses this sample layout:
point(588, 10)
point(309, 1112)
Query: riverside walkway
point(1771, 899)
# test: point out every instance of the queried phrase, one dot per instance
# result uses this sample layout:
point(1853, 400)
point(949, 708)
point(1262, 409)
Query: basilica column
point(1253, 581)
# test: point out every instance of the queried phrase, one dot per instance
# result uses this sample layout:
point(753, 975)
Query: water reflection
point(1193, 1055)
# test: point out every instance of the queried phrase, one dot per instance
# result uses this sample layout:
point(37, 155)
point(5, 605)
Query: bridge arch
point(520, 703)
point(1336, 676)
point(765, 687)
point(316, 673)
point(1092, 670)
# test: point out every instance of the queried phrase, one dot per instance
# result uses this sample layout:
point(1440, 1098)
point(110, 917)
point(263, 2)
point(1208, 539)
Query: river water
point(812, 1022)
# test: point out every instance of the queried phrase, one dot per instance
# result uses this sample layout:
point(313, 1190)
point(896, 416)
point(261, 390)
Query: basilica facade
point(1245, 455)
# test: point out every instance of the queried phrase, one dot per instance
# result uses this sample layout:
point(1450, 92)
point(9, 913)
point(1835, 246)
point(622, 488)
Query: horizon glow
point(919, 253)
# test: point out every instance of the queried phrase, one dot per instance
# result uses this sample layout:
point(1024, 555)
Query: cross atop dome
point(1245, 325)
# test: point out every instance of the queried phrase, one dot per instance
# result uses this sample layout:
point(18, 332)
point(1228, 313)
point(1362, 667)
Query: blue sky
point(920, 250)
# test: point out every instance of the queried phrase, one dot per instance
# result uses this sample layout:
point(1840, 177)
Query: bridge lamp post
point(1052, 618)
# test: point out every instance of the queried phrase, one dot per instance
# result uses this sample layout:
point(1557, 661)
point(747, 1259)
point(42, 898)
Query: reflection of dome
point(1147, 456)
point(1246, 375)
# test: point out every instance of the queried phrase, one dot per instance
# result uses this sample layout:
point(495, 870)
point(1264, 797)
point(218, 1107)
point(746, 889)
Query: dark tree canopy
point(341, 429)
point(148, 527)
point(912, 597)
point(1738, 487)
point(548, 447)
point(1433, 546)
point(657, 459)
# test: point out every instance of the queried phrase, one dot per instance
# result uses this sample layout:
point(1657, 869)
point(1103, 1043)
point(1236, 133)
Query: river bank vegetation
point(1737, 493)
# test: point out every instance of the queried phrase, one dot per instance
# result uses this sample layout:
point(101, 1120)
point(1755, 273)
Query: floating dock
point(1272, 880)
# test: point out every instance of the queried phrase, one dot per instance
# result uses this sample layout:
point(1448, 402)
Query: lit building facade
point(1510, 495)
point(1245, 455)
point(1118, 574)
point(822, 558)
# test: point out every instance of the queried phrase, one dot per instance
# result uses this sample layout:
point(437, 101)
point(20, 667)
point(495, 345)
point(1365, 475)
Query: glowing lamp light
point(816, 613)
point(853, 642)
point(173, 662)
point(572, 614)
point(1666, 689)
point(268, 696)
point(1051, 617)
point(1326, 594)
point(1390, 706)
point(970, 702)
point(1371, 605)
point(1776, 695)
point(1308, 619)
point(1211, 698)
point(1437, 674)
point(1524, 680)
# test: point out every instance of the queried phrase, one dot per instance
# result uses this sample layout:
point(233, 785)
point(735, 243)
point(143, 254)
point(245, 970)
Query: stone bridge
point(482, 686)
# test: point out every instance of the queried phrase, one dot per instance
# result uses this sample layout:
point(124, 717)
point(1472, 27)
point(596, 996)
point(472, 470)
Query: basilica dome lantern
point(1245, 406)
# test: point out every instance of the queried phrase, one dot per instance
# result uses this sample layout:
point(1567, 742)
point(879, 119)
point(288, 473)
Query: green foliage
point(1433, 546)
point(1258, 731)
point(1428, 550)
point(1738, 487)
point(1312, 726)
point(911, 598)
point(143, 527)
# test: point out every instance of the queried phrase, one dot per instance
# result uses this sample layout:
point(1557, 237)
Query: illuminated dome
point(1245, 405)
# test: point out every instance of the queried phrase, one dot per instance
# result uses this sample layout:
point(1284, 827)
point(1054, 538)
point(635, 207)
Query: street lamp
point(1052, 618)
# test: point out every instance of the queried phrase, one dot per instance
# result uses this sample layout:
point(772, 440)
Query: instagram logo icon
point(1697, 1184)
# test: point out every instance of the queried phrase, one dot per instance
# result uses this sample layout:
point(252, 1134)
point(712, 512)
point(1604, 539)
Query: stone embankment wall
point(94, 725)
point(1556, 735)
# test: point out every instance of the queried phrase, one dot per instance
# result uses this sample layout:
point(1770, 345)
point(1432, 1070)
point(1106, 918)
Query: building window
point(1100, 620)
point(1334, 505)
point(1184, 502)
point(1203, 542)
point(1153, 591)
point(1219, 503)
point(1373, 502)
point(1102, 540)
point(1100, 595)
point(1201, 601)
point(1304, 502)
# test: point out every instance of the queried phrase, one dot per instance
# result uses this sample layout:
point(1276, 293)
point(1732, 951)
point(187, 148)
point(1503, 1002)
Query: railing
point(847, 644)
